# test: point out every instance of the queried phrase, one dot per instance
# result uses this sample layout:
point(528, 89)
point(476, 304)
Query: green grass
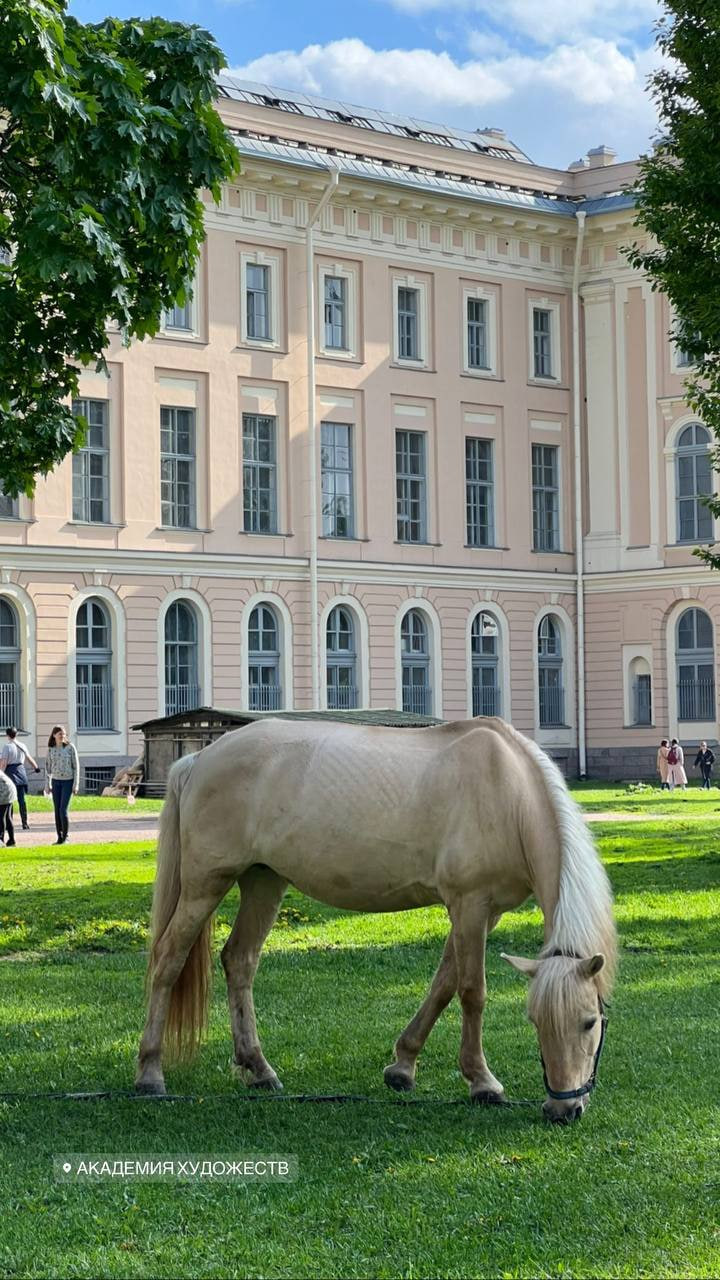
point(385, 1189)
point(44, 804)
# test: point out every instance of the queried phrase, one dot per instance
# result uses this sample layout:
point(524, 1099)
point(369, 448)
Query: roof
point(435, 182)
point(383, 716)
point(303, 104)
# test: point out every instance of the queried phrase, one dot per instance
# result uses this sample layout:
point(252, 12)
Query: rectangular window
point(178, 317)
point(479, 492)
point(177, 467)
point(257, 301)
point(336, 330)
point(408, 307)
point(337, 480)
point(91, 465)
point(542, 343)
point(411, 484)
point(477, 333)
point(546, 498)
point(259, 473)
point(8, 507)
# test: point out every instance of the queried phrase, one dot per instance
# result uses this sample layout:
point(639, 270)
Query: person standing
point(705, 761)
point(63, 772)
point(12, 762)
point(662, 764)
point(677, 776)
point(8, 796)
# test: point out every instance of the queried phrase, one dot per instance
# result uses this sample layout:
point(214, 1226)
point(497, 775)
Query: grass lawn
point(386, 1188)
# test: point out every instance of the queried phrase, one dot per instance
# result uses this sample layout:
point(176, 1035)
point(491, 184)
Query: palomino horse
point(470, 814)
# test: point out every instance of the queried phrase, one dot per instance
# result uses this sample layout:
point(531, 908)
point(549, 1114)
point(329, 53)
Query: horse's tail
point(190, 995)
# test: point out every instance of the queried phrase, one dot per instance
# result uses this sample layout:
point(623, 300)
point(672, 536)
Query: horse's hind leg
point(261, 892)
point(400, 1074)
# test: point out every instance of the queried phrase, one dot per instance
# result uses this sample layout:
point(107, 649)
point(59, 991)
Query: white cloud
point(554, 105)
point(545, 21)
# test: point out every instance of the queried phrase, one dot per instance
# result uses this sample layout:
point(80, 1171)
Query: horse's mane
point(582, 924)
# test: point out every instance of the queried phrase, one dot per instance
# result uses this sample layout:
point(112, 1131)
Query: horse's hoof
point(397, 1079)
point(269, 1083)
point(487, 1098)
point(150, 1088)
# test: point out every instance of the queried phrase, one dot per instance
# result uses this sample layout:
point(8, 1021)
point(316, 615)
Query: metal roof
point(386, 716)
point(305, 104)
point(412, 176)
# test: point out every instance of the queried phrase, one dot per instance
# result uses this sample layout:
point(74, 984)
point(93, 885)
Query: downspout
point(579, 549)
point(312, 438)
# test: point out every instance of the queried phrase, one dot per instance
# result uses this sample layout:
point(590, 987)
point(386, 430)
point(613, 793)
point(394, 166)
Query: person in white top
point(677, 776)
point(13, 758)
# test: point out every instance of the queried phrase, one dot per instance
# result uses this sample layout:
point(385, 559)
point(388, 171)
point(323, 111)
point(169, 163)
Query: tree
point(678, 201)
point(107, 135)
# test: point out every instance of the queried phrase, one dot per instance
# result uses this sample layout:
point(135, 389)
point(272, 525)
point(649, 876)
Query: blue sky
point(560, 76)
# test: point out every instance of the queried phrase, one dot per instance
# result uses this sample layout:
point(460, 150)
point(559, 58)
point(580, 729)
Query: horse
point(469, 814)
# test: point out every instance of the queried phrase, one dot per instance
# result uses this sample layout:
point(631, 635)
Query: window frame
point(194, 644)
point(349, 274)
point(543, 489)
point(421, 287)
point(476, 484)
point(408, 478)
point(338, 471)
point(337, 658)
point(259, 258)
point(92, 656)
point(176, 457)
point(478, 293)
point(265, 659)
point(252, 467)
point(536, 303)
point(81, 463)
point(693, 452)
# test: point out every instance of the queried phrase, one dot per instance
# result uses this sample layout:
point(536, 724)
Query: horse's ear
point(528, 967)
point(588, 968)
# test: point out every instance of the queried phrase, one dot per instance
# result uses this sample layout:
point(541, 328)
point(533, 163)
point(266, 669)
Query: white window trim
point(113, 742)
point(411, 282)
point(551, 305)
point(565, 736)
point(494, 610)
point(629, 653)
point(170, 331)
point(362, 650)
point(681, 370)
point(695, 730)
point(259, 258)
point(27, 623)
point(204, 619)
point(284, 618)
point(350, 275)
point(561, 498)
point(490, 297)
point(670, 454)
point(435, 640)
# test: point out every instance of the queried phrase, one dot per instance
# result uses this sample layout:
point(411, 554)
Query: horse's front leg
point(400, 1074)
point(473, 919)
point(261, 892)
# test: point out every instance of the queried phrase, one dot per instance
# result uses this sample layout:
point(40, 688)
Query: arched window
point(485, 655)
point(10, 695)
point(695, 666)
point(693, 481)
point(342, 693)
point(182, 689)
point(641, 691)
point(550, 673)
point(93, 667)
point(415, 652)
point(265, 692)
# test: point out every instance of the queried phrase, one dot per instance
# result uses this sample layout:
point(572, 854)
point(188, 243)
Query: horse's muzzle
point(563, 1112)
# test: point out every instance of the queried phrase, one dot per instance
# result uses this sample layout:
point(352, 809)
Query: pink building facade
point(418, 441)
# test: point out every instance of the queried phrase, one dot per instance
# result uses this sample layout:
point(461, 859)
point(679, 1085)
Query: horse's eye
point(588, 1026)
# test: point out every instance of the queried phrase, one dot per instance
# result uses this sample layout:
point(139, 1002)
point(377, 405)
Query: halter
point(564, 1095)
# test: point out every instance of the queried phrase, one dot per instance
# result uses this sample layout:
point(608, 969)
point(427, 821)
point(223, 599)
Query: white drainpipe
point(312, 438)
point(577, 443)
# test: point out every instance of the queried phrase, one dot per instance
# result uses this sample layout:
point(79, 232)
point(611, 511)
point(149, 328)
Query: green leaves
point(678, 201)
point(109, 134)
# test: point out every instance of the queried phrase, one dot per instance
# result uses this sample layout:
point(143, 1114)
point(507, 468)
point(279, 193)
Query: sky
point(559, 76)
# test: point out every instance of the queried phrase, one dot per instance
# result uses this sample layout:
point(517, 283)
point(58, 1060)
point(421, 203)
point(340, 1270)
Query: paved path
point(99, 826)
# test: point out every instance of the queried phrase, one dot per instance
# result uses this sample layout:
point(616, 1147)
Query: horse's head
point(565, 1006)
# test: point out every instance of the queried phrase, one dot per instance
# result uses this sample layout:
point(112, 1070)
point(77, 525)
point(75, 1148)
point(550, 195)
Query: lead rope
point(102, 1095)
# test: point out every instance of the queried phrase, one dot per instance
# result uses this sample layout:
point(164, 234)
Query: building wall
point(632, 393)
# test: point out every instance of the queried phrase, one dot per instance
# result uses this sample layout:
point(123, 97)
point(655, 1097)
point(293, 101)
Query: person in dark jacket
point(705, 760)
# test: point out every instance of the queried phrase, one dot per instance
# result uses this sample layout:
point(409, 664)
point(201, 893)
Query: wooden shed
point(170, 737)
